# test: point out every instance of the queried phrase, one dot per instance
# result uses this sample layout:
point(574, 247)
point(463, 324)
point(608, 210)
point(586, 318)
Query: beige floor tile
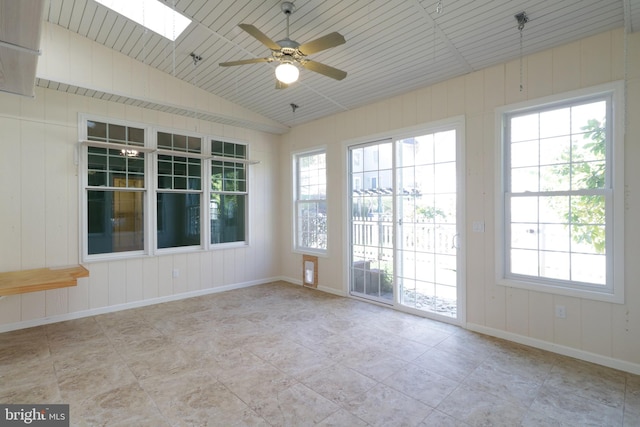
point(85, 354)
point(300, 362)
point(536, 419)
point(23, 351)
point(374, 363)
point(28, 373)
point(384, 406)
point(162, 361)
point(89, 380)
point(452, 365)
point(80, 329)
point(631, 419)
point(255, 382)
point(129, 404)
point(340, 384)
point(296, 405)
point(342, 418)
point(194, 398)
point(438, 419)
point(506, 385)
point(45, 391)
point(279, 354)
point(632, 388)
point(570, 408)
point(476, 407)
point(394, 345)
point(594, 382)
point(471, 345)
point(526, 362)
point(422, 384)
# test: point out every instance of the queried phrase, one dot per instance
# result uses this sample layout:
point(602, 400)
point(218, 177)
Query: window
point(135, 178)
point(151, 14)
point(115, 188)
point(310, 201)
point(228, 199)
point(562, 224)
point(179, 190)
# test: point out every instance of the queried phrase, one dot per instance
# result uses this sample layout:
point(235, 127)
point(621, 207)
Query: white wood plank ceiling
point(392, 46)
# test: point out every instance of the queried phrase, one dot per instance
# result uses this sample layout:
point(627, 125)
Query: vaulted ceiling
point(392, 47)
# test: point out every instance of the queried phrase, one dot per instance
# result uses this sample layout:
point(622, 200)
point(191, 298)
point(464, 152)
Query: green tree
point(586, 170)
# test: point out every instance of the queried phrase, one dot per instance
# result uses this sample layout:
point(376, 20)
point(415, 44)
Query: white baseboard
point(291, 280)
point(134, 304)
point(587, 356)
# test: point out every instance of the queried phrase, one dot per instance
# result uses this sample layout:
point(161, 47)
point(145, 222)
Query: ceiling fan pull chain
point(521, 86)
point(522, 19)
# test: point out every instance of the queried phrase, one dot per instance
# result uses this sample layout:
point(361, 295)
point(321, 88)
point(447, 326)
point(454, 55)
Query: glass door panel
point(372, 234)
point(427, 233)
point(404, 238)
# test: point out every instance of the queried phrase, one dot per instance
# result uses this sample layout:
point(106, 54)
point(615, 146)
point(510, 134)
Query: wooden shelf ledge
point(40, 279)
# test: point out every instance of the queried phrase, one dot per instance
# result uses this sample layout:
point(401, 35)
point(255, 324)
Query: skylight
point(151, 14)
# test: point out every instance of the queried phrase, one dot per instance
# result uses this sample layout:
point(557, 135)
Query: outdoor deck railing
point(374, 235)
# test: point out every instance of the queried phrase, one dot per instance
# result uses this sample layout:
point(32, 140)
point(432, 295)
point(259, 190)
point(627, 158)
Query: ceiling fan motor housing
point(288, 45)
point(287, 7)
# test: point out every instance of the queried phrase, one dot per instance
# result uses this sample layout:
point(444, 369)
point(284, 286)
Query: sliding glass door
point(404, 248)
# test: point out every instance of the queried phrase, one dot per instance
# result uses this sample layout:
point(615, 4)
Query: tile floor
point(283, 355)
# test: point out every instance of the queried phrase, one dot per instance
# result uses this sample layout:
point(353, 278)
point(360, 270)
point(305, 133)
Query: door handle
point(455, 244)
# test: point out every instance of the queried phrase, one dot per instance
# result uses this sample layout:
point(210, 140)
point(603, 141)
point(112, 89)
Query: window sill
point(319, 254)
point(604, 296)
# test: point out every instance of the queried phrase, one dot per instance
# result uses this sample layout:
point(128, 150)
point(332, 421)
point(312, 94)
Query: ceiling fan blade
point(280, 85)
point(260, 36)
point(322, 43)
point(326, 70)
point(245, 61)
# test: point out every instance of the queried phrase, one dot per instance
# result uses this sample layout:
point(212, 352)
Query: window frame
point(296, 157)
point(150, 151)
point(84, 187)
point(213, 157)
point(613, 291)
point(202, 156)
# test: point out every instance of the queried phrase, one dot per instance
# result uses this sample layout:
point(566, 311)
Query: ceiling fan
point(289, 53)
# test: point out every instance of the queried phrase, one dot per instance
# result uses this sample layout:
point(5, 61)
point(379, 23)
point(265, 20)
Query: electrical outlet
point(561, 312)
point(176, 272)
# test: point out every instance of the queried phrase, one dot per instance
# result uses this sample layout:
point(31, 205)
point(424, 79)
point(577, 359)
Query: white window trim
point(203, 155)
point(151, 152)
point(247, 162)
point(82, 150)
point(615, 257)
point(296, 248)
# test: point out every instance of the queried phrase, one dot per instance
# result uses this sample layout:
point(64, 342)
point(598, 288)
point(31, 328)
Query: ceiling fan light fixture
point(287, 73)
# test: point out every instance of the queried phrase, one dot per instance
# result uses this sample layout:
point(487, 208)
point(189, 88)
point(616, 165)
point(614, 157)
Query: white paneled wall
point(39, 192)
point(602, 332)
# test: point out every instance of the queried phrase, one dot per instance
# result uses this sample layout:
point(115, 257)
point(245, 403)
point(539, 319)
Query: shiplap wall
point(603, 332)
point(39, 192)
point(39, 188)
